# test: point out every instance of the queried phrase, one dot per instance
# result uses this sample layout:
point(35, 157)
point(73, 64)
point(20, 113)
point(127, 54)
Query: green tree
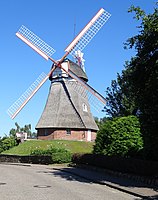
point(141, 73)
point(120, 136)
point(100, 121)
point(26, 129)
point(120, 102)
point(10, 141)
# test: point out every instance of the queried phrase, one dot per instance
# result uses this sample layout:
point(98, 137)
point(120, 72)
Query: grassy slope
point(74, 146)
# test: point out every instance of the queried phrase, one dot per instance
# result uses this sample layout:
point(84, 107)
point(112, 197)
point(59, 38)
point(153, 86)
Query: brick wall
point(51, 134)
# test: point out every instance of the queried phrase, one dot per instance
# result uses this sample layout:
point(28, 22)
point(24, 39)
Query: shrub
point(120, 136)
point(59, 155)
point(7, 143)
point(62, 157)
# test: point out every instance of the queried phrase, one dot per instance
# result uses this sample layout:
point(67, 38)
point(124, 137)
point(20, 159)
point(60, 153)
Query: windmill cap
point(76, 69)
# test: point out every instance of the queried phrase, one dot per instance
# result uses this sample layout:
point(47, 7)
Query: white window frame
point(84, 106)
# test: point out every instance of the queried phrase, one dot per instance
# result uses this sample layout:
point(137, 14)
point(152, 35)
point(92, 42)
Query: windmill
point(67, 112)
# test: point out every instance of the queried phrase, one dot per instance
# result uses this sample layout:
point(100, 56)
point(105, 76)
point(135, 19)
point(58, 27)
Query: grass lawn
point(74, 146)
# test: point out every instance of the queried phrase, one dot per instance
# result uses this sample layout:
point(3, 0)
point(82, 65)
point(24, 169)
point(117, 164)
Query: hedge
point(119, 164)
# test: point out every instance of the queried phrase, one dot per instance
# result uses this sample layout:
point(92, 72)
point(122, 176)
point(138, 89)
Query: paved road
point(39, 182)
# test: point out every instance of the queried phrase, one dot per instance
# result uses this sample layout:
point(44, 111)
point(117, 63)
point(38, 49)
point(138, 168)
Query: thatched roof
point(78, 70)
point(64, 108)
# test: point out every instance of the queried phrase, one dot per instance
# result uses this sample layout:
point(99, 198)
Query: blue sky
point(53, 21)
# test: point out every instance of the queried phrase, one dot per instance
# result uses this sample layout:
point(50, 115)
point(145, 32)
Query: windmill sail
point(35, 42)
point(84, 93)
point(85, 85)
point(89, 31)
point(16, 107)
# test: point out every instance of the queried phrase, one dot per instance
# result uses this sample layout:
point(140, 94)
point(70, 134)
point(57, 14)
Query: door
point(89, 136)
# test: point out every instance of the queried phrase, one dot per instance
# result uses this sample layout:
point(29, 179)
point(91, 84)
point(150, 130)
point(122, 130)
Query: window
point(45, 132)
point(68, 131)
point(84, 106)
